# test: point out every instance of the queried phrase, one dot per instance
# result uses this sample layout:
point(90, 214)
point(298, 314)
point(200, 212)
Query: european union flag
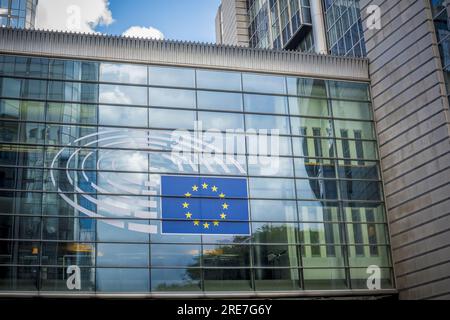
point(204, 205)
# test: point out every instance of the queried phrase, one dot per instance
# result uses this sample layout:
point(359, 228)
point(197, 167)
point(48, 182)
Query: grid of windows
point(17, 13)
point(440, 10)
point(344, 28)
point(274, 23)
point(317, 224)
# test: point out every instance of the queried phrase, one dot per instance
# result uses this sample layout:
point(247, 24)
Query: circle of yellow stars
point(190, 216)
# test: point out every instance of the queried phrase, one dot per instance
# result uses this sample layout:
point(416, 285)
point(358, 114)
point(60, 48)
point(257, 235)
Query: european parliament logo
point(204, 205)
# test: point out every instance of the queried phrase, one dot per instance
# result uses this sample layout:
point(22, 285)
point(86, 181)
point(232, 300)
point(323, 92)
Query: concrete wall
point(234, 24)
point(412, 120)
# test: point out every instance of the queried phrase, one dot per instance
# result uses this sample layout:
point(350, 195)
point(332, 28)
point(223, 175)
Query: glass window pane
point(176, 279)
point(122, 255)
point(316, 189)
point(68, 229)
point(111, 233)
point(272, 188)
point(171, 119)
point(265, 104)
point(263, 83)
point(355, 149)
point(324, 279)
point(219, 100)
point(351, 169)
point(348, 90)
point(227, 279)
point(221, 80)
point(311, 127)
point(22, 253)
point(173, 98)
point(308, 107)
point(279, 167)
point(72, 91)
point(273, 256)
point(360, 276)
point(263, 122)
point(67, 253)
point(55, 279)
point(360, 190)
point(306, 87)
point(175, 255)
point(123, 73)
point(273, 210)
point(19, 278)
point(171, 77)
point(351, 110)
point(73, 70)
point(122, 116)
point(22, 110)
point(127, 95)
point(308, 168)
point(276, 279)
point(226, 255)
point(221, 121)
point(314, 148)
point(354, 129)
point(364, 212)
point(123, 280)
point(315, 211)
point(72, 113)
point(270, 232)
point(363, 256)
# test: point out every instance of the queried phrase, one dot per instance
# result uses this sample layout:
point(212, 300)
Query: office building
point(321, 26)
point(18, 13)
point(93, 203)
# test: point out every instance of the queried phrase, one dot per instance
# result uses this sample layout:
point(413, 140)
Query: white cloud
point(143, 32)
point(73, 15)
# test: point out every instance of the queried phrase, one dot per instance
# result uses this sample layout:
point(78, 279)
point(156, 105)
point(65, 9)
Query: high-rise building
point(321, 26)
point(18, 13)
point(232, 23)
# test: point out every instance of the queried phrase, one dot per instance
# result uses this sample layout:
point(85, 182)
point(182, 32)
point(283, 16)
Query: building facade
point(407, 65)
point(232, 23)
point(321, 26)
point(85, 121)
point(18, 13)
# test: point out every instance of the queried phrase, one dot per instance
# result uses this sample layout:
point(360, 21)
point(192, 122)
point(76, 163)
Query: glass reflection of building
point(18, 13)
point(317, 224)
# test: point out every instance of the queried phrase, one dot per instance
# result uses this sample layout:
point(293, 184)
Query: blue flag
point(204, 205)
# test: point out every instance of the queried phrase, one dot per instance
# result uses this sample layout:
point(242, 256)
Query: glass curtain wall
point(344, 28)
point(83, 147)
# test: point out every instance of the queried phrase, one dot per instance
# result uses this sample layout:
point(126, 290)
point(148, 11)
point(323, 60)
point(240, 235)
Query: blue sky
point(177, 19)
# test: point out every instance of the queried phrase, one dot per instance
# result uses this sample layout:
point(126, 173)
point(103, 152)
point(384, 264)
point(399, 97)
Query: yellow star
point(221, 195)
point(194, 188)
point(187, 194)
point(188, 215)
point(223, 216)
point(205, 185)
point(214, 188)
point(216, 223)
point(225, 206)
point(185, 205)
point(196, 223)
point(206, 225)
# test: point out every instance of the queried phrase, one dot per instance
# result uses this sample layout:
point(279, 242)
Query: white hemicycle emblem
point(115, 184)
